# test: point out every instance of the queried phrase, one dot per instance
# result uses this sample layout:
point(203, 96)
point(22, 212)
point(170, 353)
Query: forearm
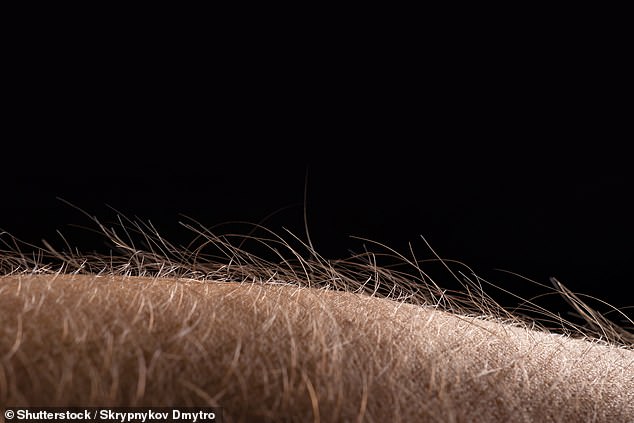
point(279, 351)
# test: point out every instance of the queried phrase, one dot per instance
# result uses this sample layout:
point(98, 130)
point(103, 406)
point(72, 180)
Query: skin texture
point(280, 352)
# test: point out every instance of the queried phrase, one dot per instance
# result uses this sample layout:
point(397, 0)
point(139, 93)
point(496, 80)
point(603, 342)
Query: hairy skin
point(276, 352)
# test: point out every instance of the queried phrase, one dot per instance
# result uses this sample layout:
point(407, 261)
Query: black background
point(507, 157)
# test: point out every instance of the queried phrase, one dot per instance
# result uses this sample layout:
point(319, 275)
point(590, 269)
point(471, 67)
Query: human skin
point(282, 352)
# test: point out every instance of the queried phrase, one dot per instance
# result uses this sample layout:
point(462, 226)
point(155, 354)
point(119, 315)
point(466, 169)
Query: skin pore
point(297, 341)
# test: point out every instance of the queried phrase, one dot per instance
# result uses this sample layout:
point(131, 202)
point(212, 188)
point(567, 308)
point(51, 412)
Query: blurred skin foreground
point(278, 352)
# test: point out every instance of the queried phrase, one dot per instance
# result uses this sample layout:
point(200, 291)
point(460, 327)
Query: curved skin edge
point(272, 352)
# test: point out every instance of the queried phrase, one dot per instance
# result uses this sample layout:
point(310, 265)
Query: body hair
point(280, 333)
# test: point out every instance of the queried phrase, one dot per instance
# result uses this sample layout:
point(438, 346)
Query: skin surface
point(279, 352)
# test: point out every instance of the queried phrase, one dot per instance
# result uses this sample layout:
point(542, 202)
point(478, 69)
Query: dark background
point(502, 158)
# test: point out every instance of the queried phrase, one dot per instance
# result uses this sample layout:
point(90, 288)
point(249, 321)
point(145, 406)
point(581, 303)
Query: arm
point(306, 354)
